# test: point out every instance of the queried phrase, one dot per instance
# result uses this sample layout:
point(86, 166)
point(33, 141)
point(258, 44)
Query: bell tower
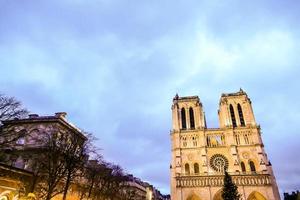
point(235, 110)
point(200, 155)
point(187, 116)
point(187, 113)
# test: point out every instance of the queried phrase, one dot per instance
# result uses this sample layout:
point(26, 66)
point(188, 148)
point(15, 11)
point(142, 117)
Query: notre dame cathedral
point(200, 154)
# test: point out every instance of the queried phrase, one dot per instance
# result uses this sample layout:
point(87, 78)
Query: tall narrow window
point(184, 143)
point(252, 166)
point(241, 115)
point(208, 141)
point(192, 120)
point(194, 141)
point(237, 139)
point(246, 139)
point(183, 119)
point(196, 168)
point(232, 116)
point(187, 168)
point(243, 167)
point(222, 140)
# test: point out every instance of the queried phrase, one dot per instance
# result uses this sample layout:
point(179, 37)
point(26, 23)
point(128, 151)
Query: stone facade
point(200, 154)
point(14, 181)
point(35, 128)
point(143, 190)
point(17, 166)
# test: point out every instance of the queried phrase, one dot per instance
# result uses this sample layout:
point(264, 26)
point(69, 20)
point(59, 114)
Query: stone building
point(35, 129)
point(14, 181)
point(17, 160)
point(201, 154)
point(143, 190)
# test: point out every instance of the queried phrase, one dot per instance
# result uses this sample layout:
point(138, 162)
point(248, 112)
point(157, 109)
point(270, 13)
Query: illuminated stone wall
point(200, 154)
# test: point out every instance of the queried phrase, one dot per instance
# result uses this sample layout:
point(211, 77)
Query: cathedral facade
point(200, 155)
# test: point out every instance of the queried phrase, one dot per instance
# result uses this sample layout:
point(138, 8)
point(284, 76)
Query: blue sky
point(115, 65)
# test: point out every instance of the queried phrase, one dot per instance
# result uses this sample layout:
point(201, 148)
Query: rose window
point(218, 162)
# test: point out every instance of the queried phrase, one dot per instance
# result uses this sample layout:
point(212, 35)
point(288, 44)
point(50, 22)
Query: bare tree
point(60, 160)
point(9, 138)
point(10, 108)
point(113, 182)
point(50, 162)
point(104, 181)
point(76, 152)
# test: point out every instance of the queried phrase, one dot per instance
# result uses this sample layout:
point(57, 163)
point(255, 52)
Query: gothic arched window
point(243, 167)
point(196, 168)
point(252, 166)
point(184, 142)
point(187, 168)
point(192, 120)
point(195, 140)
point(232, 116)
point(183, 119)
point(241, 115)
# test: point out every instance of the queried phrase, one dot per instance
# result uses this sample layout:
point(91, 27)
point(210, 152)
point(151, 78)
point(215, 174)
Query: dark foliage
point(104, 181)
point(229, 190)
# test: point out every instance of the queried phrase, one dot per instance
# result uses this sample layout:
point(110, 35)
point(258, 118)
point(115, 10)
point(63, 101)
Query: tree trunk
point(48, 197)
point(90, 190)
point(67, 185)
point(33, 183)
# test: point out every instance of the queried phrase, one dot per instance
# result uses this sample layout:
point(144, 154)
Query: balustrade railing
point(249, 179)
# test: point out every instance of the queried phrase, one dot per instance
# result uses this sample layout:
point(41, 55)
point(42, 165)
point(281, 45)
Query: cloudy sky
point(115, 65)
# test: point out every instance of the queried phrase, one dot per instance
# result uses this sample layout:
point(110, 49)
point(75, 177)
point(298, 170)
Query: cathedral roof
point(186, 98)
point(239, 93)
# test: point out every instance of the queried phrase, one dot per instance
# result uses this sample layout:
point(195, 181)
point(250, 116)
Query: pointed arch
point(4, 198)
point(256, 196)
point(252, 166)
point(218, 195)
point(232, 116)
point(241, 116)
point(187, 168)
point(5, 195)
point(196, 168)
point(9, 195)
point(193, 197)
point(243, 167)
point(183, 119)
point(192, 119)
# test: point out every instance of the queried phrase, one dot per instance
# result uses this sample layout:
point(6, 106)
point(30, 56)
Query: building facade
point(19, 175)
point(36, 131)
point(200, 154)
point(143, 190)
point(14, 182)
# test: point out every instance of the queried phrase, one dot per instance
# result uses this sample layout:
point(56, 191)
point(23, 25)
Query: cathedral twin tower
point(200, 154)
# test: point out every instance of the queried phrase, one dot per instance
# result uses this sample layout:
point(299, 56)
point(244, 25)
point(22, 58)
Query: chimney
point(33, 116)
point(61, 114)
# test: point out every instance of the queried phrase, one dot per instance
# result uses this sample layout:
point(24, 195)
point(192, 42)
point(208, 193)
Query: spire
point(176, 97)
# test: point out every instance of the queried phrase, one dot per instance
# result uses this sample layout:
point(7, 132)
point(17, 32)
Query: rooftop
point(186, 98)
point(239, 93)
point(59, 117)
